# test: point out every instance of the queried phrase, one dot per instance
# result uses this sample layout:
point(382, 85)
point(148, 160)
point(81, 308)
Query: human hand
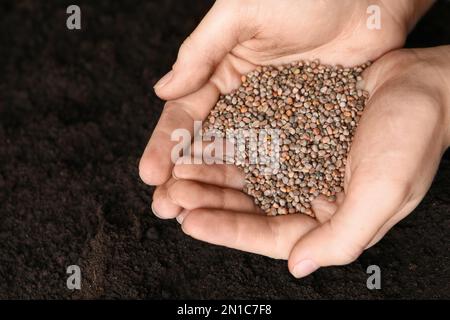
point(399, 142)
point(237, 35)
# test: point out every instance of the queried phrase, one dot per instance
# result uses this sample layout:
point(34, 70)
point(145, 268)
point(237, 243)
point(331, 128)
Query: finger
point(155, 166)
point(162, 206)
point(210, 148)
point(269, 236)
point(224, 175)
point(209, 163)
point(156, 163)
point(216, 35)
point(192, 195)
point(368, 205)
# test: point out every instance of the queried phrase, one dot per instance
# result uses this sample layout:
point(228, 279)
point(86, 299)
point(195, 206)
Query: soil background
point(77, 109)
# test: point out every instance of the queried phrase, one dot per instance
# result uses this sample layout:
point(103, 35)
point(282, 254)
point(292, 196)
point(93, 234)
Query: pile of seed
point(316, 109)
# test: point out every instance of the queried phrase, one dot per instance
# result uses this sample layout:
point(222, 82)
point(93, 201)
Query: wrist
point(407, 12)
point(447, 110)
point(431, 69)
point(443, 71)
point(439, 59)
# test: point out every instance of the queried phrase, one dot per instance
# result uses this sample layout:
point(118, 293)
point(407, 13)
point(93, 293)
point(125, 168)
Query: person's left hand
point(394, 156)
point(236, 36)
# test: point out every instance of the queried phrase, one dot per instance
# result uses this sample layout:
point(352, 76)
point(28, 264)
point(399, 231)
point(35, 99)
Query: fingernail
point(181, 216)
point(174, 175)
point(154, 211)
point(164, 80)
point(304, 268)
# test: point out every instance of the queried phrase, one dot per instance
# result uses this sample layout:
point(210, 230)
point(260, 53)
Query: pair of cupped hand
point(396, 149)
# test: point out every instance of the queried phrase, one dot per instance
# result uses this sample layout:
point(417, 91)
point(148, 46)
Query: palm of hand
point(234, 37)
point(222, 214)
point(388, 173)
point(273, 37)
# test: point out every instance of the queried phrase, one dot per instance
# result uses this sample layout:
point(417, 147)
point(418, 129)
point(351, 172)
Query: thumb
point(369, 203)
point(202, 51)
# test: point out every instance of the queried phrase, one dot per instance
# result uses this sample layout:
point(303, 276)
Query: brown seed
point(328, 106)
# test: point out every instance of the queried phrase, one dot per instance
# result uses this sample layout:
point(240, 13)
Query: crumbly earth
point(292, 128)
point(76, 110)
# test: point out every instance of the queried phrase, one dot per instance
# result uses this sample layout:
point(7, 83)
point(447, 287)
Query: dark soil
point(76, 110)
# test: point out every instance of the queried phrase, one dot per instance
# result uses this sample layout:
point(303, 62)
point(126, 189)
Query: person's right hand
point(400, 139)
point(237, 35)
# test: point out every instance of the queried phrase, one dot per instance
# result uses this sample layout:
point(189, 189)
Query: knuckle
point(222, 198)
point(179, 170)
point(192, 44)
point(191, 224)
point(186, 47)
point(171, 107)
point(175, 191)
point(184, 193)
point(227, 177)
point(187, 171)
point(274, 226)
point(158, 195)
